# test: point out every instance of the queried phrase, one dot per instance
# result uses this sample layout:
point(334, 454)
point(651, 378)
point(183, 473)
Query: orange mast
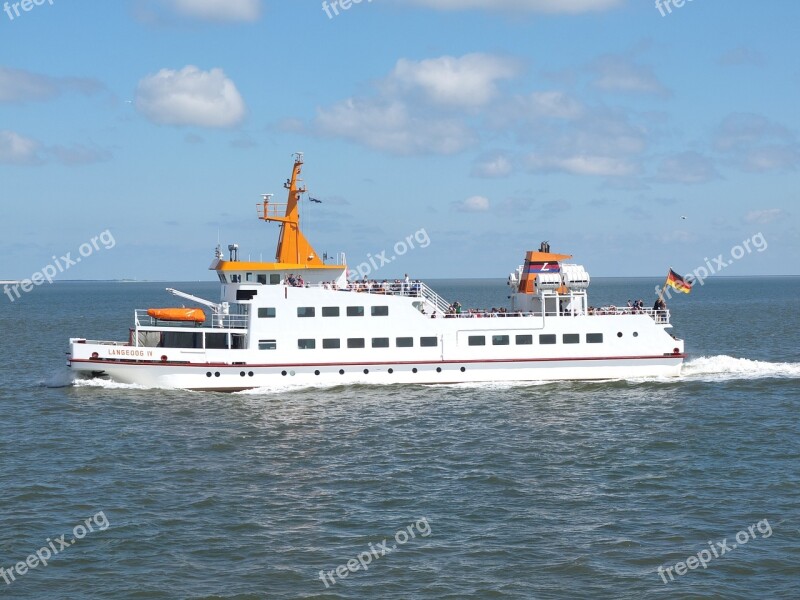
point(293, 247)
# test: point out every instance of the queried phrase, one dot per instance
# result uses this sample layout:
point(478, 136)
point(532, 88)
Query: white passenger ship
point(299, 321)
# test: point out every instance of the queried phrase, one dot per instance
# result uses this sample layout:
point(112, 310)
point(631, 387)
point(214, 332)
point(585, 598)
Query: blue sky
point(490, 124)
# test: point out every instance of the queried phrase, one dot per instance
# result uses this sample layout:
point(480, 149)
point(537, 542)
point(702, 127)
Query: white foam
point(108, 384)
point(723, 367)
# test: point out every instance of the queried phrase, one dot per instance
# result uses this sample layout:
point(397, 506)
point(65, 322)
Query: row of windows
point(327, 311)
point(333, 343)
point(527, 340)
point(429, 342)
point(274, 278)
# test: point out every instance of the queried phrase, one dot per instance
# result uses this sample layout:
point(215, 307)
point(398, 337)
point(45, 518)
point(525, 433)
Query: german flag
point(678, 283)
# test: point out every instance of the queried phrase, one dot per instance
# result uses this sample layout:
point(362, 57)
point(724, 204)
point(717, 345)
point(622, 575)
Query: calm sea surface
point(566, 490)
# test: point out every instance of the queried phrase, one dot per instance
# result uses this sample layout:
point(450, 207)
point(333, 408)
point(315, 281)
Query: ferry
point(301, 321)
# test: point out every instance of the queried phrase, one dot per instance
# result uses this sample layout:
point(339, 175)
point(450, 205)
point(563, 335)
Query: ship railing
point(142, 319)
point(409, 290)
point(659, 316)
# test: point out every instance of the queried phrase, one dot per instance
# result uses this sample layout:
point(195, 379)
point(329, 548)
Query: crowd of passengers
point(405, 287)
point(408, 287)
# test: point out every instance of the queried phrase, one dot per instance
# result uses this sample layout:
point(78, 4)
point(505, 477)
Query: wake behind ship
point(299, 321)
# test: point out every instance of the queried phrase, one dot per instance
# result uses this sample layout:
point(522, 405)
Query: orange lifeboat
point(194, 315)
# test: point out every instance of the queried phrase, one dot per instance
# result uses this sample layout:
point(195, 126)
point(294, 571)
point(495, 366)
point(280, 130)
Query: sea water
point(644, 488)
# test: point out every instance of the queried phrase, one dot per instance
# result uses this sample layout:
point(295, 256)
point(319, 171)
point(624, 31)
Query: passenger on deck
point(660, 304)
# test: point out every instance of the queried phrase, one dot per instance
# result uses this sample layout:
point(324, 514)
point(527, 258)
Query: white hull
point(236, 378)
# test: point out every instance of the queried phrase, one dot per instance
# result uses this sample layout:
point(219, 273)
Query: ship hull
point(231, 378)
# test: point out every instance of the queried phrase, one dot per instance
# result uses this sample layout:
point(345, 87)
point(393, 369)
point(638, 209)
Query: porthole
point(242, 373)
point(366, 371)
point(391, 371)
point(283, 373)
point(463, 369)
point(292, 373)
point(619, 334)
point(208, 374)
point(316, 372)
point(414, 370)
point(438, 369)
point(250, 374)
point(216, 374)
point(635, 334)
point(341, 371)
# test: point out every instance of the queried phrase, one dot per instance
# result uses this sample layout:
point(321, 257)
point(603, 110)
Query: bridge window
point(216, 341)
point(182, 339)
point(261, 278)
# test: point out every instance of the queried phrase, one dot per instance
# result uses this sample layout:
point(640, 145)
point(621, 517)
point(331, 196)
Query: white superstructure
point(299, 321)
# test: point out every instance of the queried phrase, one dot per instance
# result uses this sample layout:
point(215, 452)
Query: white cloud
point(19, 86)
point(16, 149)
point(495, 165)
point(472, 204)
point(581, 165)
point(556, 105)
point(687, 168)
point(620, 74)
point(79, 154)
point(536, 6)
point(763, 217)
point(218, 10)
point(466, 81)
point(390, 127)
point(743, 130)
point(741, 56)
point(755, 144)
point(190, 97)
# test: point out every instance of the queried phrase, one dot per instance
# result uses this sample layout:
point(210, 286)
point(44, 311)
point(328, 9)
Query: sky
point(450, 135)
